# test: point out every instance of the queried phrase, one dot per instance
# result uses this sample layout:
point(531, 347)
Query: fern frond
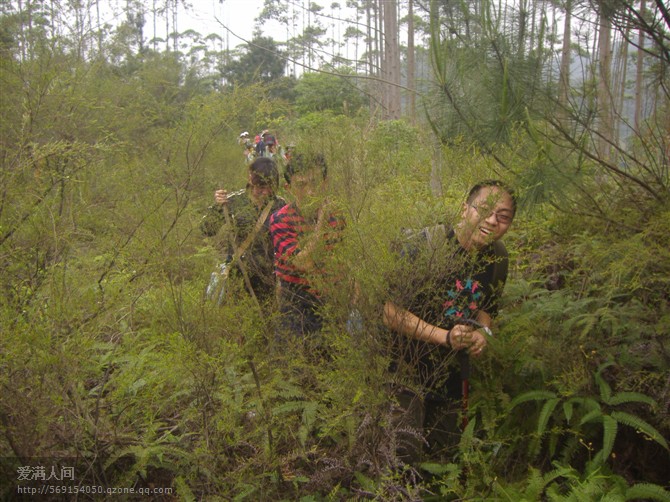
point(366, 482)
point(303, 434)
point(568, 408)
point(536, 484)
point(631, 397)
point(589, 403)
point(545, 414)
point(288, 390)
point(642, 426)
point(435, 468)
point(559, 472)
point(610, 428)
point(647, 491)
point(594, 465)
point(288, 407)
point(591, 416)
point(533, 395)
point(309, 413)
point(605, 388)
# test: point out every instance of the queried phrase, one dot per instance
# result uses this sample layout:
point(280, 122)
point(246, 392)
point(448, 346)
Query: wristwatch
point(486, 330)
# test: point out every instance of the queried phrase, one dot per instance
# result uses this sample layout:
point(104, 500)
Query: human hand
point(465, 337)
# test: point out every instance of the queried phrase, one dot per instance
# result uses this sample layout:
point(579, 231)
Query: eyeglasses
point(485, 212)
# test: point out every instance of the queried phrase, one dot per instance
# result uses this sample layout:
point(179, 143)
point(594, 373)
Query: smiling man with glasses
point(487, 215)
point(442, 299)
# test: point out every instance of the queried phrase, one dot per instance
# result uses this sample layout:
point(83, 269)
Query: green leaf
point(605, 389)
point(303, 434)
point(591, 416)
point(244, 492)
point(545, 414)
point(287, 408)
point(183, 491)
point(594, 465)
point(642, 426)
point(589, 403)
point(647, 491)
point(533, 395)
point(604, 365)
point(535, 484)
point(435, 468)
point(309, 413)
point(610, 427)
point(558, 472)
point(365, 482)
point(631, 397)
point(568, 408)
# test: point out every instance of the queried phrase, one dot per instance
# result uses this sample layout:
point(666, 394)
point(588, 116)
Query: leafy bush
point(110, 355)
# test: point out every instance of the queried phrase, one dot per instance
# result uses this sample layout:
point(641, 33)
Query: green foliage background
point(111, 357)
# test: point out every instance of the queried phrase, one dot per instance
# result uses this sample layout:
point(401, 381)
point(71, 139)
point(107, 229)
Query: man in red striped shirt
point(303, 235)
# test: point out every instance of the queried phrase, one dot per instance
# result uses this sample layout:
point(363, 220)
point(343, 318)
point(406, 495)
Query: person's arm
point(460, 337)
point(406, 323)
point(484, 318)
point(214, 219)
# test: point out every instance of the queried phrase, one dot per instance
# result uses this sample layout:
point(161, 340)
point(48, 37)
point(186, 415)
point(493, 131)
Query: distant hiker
point(288, 153)
point(260, 143)
point(245, 142)
point(441, 304)
point(304, 233)
point(268, 146)
point(271, 146)
point(249, 214)
point(249, 152)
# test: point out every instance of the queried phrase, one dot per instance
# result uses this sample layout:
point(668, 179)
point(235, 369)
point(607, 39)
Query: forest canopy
point(114, 137)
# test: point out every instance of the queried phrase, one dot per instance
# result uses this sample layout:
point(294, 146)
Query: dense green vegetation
point(110, 356)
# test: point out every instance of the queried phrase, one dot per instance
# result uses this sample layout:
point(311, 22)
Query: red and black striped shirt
point(287, 227)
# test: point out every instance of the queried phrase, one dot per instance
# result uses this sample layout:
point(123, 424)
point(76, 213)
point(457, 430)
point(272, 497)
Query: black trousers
point(427, 427)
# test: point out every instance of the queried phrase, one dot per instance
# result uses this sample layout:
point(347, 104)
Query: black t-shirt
point(443, 284)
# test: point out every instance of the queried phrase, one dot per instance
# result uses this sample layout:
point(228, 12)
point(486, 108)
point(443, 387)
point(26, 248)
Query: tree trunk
point(98, 27)
point(379, 42)
point(368, 16)
point(606, 126)
point(621, 77)
point(533, 25)
point(174, 26)
point(391, 60)
point(564, 79)
point(167, 25)
point(309, 40)
point(521, 37)
point(540, 41)
point(410, 62)
point(154, 19)
point(639, 71)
